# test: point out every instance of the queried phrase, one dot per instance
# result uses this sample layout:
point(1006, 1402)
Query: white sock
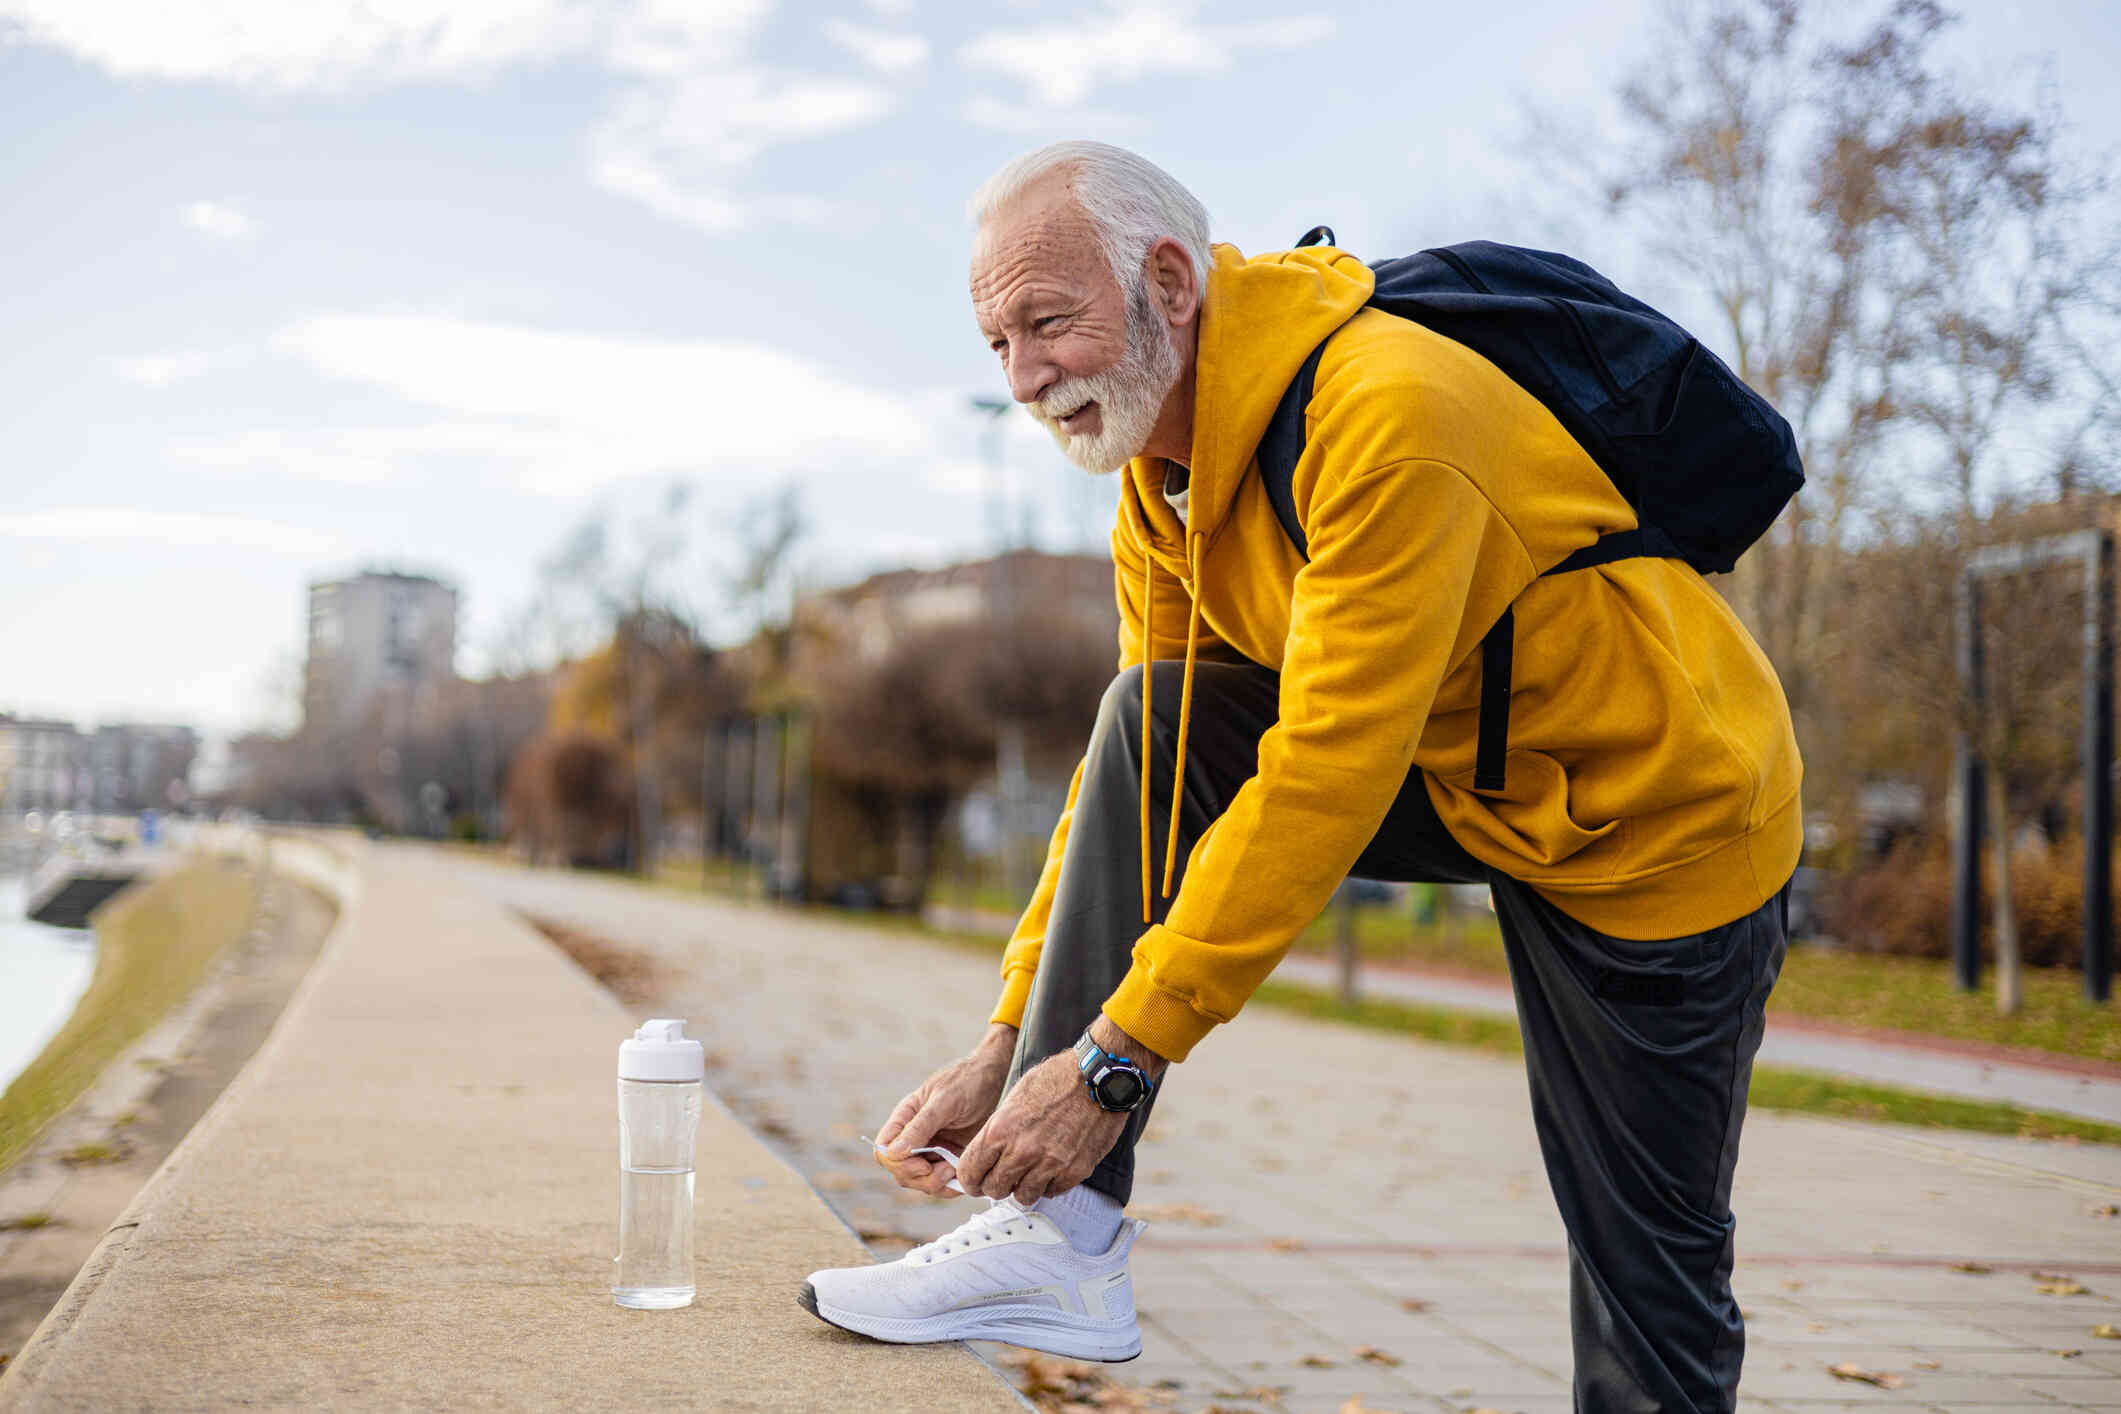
point(1087, 1218)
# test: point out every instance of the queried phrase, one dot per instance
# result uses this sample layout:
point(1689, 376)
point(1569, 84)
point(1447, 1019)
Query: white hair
point(1132, 203)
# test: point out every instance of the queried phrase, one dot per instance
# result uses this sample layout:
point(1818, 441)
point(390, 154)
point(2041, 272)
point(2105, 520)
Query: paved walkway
point(408, 1200)
point(1382, 1229)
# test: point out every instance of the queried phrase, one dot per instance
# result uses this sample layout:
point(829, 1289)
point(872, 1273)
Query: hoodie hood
point(1259, 321)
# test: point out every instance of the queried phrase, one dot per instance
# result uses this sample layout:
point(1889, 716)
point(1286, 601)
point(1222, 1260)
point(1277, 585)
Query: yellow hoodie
point(1652, 782)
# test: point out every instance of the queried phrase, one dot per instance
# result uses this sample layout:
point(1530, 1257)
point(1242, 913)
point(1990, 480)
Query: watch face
point(1120, 1089)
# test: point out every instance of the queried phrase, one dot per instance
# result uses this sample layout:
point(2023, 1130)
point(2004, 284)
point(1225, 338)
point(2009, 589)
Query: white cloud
point(885, 51)
point(314, 45)
point(695, 110)
point(218, 219)
point(188, 528)
point(1063, 64)
point(673, 39)
point(681, 148)
point(163, 370)
point(563, 412)
point(891, 9)
point(350, 456)
point(986, 111)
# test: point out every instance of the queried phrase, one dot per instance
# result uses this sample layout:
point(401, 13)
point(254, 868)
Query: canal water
point(43, 972)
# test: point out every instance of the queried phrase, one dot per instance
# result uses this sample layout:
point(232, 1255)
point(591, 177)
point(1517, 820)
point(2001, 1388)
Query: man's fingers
point(905, 1110)
point(972, 1165)
point(920, 1127)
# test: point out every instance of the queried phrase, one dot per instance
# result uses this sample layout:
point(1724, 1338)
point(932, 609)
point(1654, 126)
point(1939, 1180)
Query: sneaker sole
point(1053, 1332)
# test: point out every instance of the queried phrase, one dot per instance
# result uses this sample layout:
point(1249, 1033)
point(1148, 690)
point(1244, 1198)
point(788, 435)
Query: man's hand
point(1049, 1134)
point(947, 1110)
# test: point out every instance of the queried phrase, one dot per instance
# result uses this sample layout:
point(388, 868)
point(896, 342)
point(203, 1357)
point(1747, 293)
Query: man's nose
point(1031, 375)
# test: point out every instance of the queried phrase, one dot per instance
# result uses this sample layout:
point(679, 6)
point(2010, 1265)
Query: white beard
point(1129, 395)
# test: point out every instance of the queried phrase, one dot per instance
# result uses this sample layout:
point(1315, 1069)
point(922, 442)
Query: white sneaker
point(1006, 1274)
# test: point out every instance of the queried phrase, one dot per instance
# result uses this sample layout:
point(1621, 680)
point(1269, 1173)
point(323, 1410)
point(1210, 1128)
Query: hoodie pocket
point(1529, 818)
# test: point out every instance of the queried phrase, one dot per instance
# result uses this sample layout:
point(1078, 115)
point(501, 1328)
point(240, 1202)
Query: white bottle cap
point(660, 1050)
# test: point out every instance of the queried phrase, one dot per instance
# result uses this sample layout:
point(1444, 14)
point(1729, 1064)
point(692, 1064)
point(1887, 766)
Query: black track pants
point(1638, 1054)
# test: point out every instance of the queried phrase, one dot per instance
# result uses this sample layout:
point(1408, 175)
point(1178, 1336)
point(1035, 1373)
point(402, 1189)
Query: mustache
point(1073, 395)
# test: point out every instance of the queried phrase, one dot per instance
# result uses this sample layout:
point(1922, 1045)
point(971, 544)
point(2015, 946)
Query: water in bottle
point(661, 1072)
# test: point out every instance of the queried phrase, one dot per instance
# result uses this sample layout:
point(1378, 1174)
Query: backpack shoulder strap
point(1281, 446)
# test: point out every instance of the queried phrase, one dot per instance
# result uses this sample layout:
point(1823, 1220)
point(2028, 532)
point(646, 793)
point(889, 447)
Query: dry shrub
point(1902, 904)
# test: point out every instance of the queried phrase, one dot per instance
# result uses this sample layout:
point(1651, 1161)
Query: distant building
point(44, 765)
point(870, 617)
point(140, 766)
point(382, 651)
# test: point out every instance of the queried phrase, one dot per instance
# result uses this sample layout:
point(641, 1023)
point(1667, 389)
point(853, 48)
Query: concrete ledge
point(408, 1199)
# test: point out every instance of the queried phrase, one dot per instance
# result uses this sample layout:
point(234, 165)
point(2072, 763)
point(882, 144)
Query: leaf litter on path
point(1858, 1375)
point(1185, 1214)
point(1056, 1386)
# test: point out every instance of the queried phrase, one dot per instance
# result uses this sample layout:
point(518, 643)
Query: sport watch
point(1116, 1083)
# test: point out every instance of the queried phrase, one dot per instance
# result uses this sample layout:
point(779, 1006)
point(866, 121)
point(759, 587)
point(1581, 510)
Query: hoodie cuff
point(1016, 994)
point(1163, 1020)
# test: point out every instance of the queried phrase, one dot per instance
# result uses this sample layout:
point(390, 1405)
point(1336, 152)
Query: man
point(1281, 721)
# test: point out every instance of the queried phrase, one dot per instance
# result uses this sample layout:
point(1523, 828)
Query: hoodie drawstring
point(1185, 715)
point(1148, 697)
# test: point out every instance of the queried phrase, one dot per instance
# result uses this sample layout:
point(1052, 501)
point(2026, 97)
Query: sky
point(291, 290)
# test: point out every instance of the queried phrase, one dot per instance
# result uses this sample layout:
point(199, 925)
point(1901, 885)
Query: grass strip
point(1774, 1088)
point(153, 944)
point(1867, 991)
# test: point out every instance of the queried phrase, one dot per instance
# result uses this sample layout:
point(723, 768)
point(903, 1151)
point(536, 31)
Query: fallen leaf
point(1356, 1406)
point(1816, 1327)
point(1189, 1214)
point(1927, 1365)
point(2049, 1276)
point(1792, 1284)
point(1856, 1373)
point(1979, 1269)
point(2106, 1332)
point(1375, 1356)
point(2060, 1288)
point(2066, 1354)
point(1414, 1304)
point(1286, 1244)
point(2106, 1210)
point(1318, 1362)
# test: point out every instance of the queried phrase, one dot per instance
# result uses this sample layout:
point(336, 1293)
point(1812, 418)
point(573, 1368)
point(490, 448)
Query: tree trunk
point(647, 795)
point(2010, 982)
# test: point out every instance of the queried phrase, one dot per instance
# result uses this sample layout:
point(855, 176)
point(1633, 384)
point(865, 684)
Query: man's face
point(1092, 361)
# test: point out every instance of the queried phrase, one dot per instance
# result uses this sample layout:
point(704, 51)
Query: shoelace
point(938, 1151)
point(1001, 1216)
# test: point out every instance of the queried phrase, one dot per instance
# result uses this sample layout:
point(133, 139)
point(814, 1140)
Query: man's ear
point(1172, 277)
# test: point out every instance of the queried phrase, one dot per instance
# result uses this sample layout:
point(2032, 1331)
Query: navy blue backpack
point(1704, 460)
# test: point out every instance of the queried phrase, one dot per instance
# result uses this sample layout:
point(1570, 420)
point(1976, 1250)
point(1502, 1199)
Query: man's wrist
point(1113, 1041)
point(998, 1043)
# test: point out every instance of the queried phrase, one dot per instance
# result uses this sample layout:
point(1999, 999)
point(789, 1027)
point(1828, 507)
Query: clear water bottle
point(660, 1078)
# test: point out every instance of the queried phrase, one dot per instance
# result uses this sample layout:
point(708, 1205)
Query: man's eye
point(1048, 324)
point(998, 345)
